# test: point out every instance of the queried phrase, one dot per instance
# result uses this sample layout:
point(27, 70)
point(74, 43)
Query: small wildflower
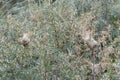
point(88, 39)
point(25, 40)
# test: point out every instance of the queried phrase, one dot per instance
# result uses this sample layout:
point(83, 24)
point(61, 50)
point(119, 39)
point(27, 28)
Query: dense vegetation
point(66, 40)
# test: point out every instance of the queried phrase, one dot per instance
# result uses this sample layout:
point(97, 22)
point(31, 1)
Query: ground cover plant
point(59, 40)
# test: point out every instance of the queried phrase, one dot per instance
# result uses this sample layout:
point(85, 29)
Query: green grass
point(56, 49)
